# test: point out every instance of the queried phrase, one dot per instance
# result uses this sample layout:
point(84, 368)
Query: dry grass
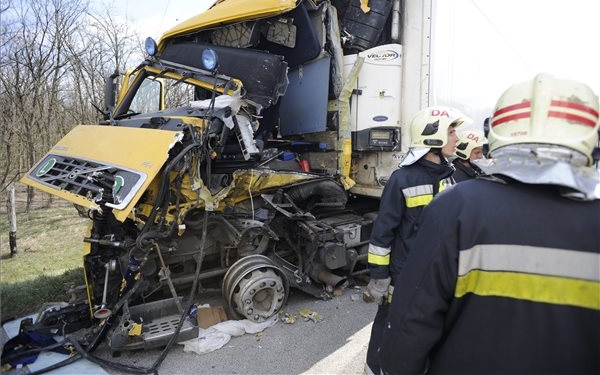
point(49, 254)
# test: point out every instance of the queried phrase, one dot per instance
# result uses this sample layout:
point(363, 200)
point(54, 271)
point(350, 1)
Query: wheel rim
point(255, 288)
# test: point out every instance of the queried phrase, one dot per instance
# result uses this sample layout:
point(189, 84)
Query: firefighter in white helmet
point(424, 172)
point(512, 283)
point(469, 148)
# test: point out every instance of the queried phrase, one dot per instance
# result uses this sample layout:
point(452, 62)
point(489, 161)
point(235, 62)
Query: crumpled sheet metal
point(259, 180)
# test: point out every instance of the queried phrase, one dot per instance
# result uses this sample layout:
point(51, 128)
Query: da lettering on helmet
point(437, 112)
point(473, 137)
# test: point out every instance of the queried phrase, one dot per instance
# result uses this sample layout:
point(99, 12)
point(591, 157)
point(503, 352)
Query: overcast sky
point(481, 47)
point(484, 46)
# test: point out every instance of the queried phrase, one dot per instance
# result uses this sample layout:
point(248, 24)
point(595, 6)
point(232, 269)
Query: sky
point(479, 47)
point(482, 47)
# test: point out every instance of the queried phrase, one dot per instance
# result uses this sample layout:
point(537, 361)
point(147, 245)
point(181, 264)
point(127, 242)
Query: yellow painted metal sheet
point(233, 90)
point(227, 12)
point(143, 151)
point(254, 182)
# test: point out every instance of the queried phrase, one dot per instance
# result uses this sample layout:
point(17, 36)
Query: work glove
point(377, 291)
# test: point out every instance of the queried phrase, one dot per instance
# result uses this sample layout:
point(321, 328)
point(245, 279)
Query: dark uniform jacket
point(408, 190)
point(506, 281)
point(463, 172)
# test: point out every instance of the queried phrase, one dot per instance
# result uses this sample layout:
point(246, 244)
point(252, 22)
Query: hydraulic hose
point(117, 366)
point(60, 364)
point(167, 348)
point(31, 351)
point(164, 186)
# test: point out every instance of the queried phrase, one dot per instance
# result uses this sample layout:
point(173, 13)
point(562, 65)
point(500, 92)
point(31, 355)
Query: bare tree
point(34, 74)
point(54, 56)
point(114, 44)
point(7, 134)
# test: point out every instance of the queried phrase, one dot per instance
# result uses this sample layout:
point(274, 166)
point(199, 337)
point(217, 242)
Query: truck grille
point(108, 184)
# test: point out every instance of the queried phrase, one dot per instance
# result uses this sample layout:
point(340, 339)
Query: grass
point(49, 255)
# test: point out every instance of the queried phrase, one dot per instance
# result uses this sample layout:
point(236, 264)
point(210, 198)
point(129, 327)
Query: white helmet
point(429, 129)
point(547, 111)
point(467, 141)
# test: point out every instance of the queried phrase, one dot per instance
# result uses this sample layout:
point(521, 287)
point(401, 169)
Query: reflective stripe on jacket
point(408, 190)
point(506, 280)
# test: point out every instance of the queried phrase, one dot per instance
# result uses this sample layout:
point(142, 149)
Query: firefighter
point(423, 172)
point(469, 149)
point(512, 283)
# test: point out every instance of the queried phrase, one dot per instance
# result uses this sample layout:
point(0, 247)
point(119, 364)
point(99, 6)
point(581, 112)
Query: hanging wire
point(508, 43)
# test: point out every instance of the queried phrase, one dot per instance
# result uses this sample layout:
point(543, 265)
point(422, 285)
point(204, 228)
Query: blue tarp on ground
point(45, 359)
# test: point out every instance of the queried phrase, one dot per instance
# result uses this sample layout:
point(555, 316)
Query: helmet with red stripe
point(549, 111)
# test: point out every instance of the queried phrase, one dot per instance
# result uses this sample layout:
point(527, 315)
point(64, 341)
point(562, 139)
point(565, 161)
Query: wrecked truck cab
point(235, 176)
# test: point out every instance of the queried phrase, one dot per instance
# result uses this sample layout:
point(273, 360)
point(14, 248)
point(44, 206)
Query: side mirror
point(110, 94)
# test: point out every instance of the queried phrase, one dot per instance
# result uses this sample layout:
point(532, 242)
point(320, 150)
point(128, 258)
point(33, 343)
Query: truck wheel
point(255, 288)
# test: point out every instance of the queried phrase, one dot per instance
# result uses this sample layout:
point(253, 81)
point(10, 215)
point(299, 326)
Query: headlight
point(210, 60)
point(150, 46)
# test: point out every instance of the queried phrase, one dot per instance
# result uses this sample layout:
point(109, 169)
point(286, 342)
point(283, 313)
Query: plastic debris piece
point(136, 329)
point(308, 314)
point(287, 318)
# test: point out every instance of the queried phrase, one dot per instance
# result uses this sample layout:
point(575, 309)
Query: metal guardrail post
point(12, 219)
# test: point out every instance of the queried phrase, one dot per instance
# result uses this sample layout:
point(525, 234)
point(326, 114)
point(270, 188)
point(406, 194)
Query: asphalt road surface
point(335, 345)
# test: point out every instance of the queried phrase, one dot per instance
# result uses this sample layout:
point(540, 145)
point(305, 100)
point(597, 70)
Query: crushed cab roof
point(229, 11)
